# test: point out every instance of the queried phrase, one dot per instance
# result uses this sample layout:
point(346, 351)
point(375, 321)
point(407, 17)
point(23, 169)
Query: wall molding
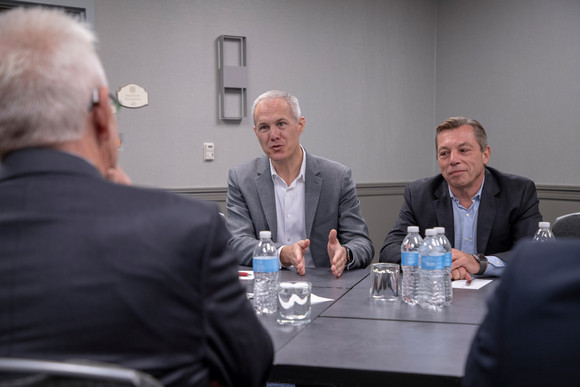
point(558, 192)
point(213, 194)
point(545, 192)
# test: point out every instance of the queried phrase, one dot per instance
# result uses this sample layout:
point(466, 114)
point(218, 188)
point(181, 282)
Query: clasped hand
point(463, 265)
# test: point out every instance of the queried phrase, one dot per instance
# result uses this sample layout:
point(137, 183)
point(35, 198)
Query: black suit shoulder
point(507, 180)
point(539, 293)
point(426, 187)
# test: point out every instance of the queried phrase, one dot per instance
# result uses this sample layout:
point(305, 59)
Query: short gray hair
point(275, 94)
point(48, 69)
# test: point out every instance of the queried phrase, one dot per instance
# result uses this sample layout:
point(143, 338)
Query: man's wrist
point(282, 264)
point(349, 258)
point(482, 260)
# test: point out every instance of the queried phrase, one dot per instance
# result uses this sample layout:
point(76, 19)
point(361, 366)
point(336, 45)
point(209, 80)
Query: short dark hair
point(456, 122)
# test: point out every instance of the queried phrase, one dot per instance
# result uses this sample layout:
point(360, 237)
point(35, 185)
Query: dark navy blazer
point(141, 278)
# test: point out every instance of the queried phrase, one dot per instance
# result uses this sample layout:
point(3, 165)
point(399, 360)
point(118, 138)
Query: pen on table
point(242, 274)
point(468, 282)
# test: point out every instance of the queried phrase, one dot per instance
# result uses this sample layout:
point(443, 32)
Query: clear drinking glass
point(294, 302)
point(385, 281)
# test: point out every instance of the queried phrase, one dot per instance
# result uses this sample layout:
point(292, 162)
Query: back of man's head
point(48, 69)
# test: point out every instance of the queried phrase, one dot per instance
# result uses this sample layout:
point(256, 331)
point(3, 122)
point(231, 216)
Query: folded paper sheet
point(476, 283)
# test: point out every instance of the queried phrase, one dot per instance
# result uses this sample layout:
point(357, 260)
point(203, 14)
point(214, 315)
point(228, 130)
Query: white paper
point(314, 299)
point(476, 283)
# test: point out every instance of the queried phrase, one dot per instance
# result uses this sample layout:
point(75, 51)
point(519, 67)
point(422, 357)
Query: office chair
point(16, 372)
point(567, 226)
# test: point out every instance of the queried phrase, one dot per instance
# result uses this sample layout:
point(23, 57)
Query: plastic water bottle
point(431, 293)
point(446, 263)
point(410, 265)
point(266, 267)
point(544, 233)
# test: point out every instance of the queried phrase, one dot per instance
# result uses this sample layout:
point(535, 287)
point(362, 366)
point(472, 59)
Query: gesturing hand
point(293, 255)
point(336, 254)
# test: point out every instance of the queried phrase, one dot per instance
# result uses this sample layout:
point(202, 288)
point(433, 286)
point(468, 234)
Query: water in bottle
point(266, 267)
point(431, 293)
point(446, 263)
point(544, 233)
point(410, 265)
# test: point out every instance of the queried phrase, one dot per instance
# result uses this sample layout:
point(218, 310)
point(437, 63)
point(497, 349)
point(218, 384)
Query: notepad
point(476, 283)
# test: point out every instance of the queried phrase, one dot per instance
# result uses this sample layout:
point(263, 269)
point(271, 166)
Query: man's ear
point(486, 154)
point(101, 115)
point(301, 124)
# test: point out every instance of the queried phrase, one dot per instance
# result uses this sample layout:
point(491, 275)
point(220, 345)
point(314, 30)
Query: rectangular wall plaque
point(233, 77)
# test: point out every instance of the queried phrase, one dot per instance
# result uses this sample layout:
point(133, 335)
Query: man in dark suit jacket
point(483, 210)
point(91, 269)
point(530, 335)
point(309, 203)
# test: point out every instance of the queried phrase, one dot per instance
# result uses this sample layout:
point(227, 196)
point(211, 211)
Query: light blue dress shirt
point(465, 225)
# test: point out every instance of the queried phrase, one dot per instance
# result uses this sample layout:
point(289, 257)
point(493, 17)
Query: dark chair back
point(567, 226)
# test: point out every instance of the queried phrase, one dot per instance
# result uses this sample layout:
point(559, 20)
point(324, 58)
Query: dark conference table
point(355, 340)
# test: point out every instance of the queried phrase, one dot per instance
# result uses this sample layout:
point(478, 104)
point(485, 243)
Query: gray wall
point(515, 66)
point(363, 71)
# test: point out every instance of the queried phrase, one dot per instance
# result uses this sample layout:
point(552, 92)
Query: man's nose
point(453, 157)
point(274, 132)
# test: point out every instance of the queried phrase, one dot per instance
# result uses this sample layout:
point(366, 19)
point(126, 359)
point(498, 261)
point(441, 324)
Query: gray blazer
point(331, 202)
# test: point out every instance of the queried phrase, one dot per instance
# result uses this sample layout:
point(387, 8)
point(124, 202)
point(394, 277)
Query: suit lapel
point(266, 193)
point(443, 211)
point(313, 186)
point(487, 210)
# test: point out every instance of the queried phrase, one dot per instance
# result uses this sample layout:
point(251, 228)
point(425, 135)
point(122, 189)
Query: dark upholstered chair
point(567, 226)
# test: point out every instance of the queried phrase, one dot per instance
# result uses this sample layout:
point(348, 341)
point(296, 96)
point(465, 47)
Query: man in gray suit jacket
point(308, 203)
point(95, 270)
point(483, 210)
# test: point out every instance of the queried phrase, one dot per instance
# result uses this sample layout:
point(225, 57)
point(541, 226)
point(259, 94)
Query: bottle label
point(265, 264)
point(447, 259)
point(432, 262)
point(409, 258)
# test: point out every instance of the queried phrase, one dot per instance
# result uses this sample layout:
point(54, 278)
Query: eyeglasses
point(113, 101)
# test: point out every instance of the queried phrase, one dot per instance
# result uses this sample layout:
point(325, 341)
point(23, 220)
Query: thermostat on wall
point(208, 151)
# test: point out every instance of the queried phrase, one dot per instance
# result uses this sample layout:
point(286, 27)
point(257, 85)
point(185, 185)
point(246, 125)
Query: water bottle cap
point(544, 224)
point(265, 234)
point(439, 230)
point(412, 228)
point(430, 232)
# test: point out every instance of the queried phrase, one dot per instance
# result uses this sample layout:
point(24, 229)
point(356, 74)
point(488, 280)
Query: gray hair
point(48, 69)
point(456, 122)
point(275, 94)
